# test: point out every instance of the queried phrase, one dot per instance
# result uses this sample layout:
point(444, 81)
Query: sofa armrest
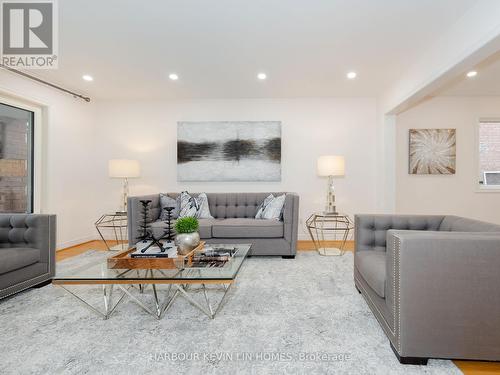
point(370, 231)
point(291, 220)
point(444, 287)
point(134, 214)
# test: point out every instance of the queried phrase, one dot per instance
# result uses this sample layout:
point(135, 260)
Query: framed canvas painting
point(432, 151)
point(229, 151)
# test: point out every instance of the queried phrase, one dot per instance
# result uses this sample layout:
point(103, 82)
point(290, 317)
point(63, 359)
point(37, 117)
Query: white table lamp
point(124, 169)
point(331, 166)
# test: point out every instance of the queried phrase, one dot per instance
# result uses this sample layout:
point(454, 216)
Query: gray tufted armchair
point(433, 283)
point(27, 251)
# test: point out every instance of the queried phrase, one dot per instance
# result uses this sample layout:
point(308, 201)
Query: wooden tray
point(124, 261)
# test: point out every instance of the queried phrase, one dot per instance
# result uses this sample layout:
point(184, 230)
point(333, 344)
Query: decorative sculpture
point(146, 232)
point(143, 223)
point(168, 235)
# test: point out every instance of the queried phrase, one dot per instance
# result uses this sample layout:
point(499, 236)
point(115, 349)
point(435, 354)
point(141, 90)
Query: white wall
point(68, 184)
point(446, 194)
point(310, 127)
point(470, 40)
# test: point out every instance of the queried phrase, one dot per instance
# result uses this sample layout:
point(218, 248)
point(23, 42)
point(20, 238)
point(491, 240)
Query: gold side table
point(320, 223)
point(118, 223)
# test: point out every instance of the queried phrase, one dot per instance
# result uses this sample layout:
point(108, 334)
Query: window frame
point(36, 145)
point(481, 188)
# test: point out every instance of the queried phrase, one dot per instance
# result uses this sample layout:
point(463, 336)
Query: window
point(489, 154)
point(16, 159)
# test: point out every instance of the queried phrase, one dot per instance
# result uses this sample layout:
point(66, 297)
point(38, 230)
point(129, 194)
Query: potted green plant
point(187, 236)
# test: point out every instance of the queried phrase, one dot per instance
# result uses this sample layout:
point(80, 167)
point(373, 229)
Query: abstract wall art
point(229, 151)
point(432, 151)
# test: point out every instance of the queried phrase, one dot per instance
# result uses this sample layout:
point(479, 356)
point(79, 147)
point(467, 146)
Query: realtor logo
point(29, 34)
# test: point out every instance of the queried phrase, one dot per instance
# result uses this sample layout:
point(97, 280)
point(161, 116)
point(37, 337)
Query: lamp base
point(330, 213)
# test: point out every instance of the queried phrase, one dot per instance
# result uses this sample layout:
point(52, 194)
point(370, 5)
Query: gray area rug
point(283, 316)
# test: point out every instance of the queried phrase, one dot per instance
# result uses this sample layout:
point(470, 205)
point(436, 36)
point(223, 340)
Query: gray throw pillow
point(166, 201)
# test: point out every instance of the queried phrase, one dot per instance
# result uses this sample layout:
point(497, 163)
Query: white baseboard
point(77, 241)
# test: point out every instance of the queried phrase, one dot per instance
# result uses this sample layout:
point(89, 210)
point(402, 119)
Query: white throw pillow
point(196, 207)
point(272, 208)
point(204, 208)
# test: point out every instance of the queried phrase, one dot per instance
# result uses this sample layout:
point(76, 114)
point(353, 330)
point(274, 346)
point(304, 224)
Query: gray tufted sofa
point(27, 251)
point(234, 222)
point(433, 284)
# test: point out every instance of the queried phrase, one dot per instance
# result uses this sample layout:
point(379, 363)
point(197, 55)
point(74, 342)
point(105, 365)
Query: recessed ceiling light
point(472, 73)
point(87, 78)
point(173, 77)
point(351, 75)
point(262, 76)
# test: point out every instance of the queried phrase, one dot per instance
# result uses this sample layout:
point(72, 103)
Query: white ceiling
point(217, 47)
point(485, 83)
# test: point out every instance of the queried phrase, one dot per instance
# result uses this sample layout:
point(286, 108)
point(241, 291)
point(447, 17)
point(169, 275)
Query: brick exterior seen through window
point(489, 149)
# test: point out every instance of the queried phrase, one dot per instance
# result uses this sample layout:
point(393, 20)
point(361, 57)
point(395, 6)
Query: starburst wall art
point(432, 151)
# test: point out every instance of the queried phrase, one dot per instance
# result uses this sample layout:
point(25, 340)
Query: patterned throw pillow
point(271, 208)
point(196, 207)
point(166, 201)
point(263, 205)
point(188, 206)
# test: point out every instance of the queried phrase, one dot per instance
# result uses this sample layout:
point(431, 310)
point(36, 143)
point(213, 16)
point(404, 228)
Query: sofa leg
point(288, 256)
point(409, 360)
point(359, 291)
point(41, 285)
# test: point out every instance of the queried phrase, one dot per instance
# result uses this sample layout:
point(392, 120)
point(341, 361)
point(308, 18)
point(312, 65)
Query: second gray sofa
point(234, 222)
point(27, 251)
point(432, 282)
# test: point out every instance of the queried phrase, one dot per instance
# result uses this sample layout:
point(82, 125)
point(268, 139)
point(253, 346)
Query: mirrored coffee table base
point(162, 299)
point(154, 290)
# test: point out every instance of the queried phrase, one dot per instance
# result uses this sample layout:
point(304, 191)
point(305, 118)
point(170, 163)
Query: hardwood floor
point(478, 368)
point(467, 367)
point(81, 248)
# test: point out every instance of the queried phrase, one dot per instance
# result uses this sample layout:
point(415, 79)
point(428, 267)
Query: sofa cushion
point(206, 227)
point(205, 230)
point(371, 265)
point(247, 228)
point(19, 257)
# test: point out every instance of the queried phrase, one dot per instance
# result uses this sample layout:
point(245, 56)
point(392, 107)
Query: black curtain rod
point(26, 75)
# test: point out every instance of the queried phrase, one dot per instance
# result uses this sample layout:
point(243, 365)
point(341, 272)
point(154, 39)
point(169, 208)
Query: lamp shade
point(123, 168)
point(331, 165)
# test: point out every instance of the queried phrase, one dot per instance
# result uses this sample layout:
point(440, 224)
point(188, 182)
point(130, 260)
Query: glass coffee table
point(134, 282)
